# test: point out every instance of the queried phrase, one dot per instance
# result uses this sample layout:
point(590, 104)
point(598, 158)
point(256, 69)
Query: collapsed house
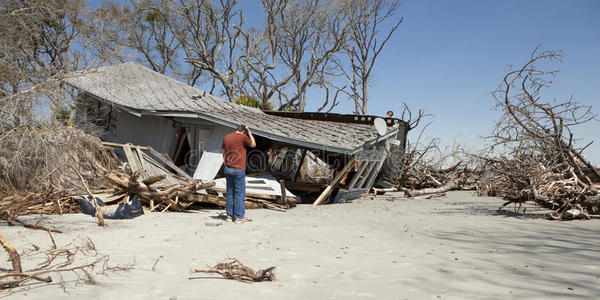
point(128, 103)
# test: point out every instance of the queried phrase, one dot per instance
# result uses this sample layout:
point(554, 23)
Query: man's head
point(241, 128)
point(389, 114)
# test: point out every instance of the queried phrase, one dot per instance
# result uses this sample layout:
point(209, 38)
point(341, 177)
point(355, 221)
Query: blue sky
point(448, 55)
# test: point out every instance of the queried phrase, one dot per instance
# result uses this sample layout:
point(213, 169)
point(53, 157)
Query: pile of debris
point(163, 186)
point(37, 160)
point(49, 202)
point(424, 169)
point(41, 169)
point(558, 188)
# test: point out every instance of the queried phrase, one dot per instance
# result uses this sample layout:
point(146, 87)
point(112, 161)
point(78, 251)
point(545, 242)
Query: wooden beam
point(131, 158)
point(169, 163)
point(117, 145)
point(140, 156)
point(282, 199)
point(334, 182)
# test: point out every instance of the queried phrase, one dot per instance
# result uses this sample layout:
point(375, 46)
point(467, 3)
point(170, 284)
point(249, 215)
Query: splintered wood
point(162, 190)
point(233, 269)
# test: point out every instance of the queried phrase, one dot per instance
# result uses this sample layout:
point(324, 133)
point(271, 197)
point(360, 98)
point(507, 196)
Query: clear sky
point(448, 55)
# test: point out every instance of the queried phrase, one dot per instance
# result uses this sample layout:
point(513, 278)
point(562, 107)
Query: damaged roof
point(141, 91)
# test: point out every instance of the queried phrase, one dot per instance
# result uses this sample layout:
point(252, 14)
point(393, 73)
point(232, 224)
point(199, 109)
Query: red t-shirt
point(234, 147)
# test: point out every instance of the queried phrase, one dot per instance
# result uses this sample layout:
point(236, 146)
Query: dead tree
point(299, 42)
point(210, 34)
point(541, 160)
point(365, 43)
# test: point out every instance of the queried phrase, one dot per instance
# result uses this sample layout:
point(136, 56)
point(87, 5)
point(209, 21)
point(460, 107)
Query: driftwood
point(33, 226)
point(451, 185)
point(12, 253)
point(79, 257)
point(169, 196)
point(234, 269)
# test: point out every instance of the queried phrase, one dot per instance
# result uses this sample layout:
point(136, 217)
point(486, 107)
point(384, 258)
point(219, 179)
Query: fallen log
point(449, 186)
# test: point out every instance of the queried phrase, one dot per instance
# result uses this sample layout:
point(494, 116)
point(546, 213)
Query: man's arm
point(252, 141)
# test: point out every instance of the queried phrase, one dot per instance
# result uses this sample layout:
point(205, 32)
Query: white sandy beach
point(391, 247)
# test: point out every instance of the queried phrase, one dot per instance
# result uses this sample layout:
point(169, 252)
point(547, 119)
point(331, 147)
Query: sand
point(390, 247)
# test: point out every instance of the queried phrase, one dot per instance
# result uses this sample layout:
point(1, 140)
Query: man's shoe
point(228, 219)
point(243, 220)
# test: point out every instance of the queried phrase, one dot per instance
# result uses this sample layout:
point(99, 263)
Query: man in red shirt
point(234, 153)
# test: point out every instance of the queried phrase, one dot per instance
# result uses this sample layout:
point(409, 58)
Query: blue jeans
point(236, 191)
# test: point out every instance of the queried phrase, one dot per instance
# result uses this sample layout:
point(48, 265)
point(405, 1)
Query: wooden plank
point(140, 156)
point(334, 182)
point(131, 158)
point(116, 145)
point(282, 198)
point(169, 163)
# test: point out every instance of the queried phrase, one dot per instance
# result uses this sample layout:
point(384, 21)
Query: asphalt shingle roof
point(136, 87)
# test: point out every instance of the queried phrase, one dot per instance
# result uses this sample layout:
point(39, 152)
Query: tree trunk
point(365, 95)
